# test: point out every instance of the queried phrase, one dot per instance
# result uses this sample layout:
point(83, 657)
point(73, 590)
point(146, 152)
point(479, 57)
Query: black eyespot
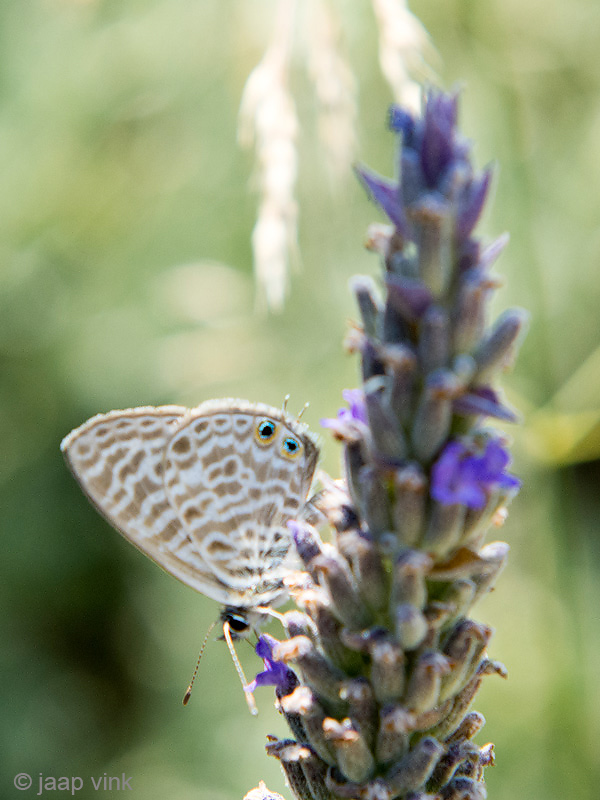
point(266, 429)
point(291, 445)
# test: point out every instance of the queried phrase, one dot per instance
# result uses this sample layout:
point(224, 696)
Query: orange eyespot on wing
point(265, 432)
point(291, 448)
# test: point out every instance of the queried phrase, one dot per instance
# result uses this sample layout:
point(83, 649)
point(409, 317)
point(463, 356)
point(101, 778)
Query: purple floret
point(275, 673)
point(354, 415)
point(357, 409)
point(460, 476)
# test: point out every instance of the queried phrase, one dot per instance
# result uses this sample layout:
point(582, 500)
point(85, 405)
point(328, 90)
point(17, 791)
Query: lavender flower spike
point(384, 659)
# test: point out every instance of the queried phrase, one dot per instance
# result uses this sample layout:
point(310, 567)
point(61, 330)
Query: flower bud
point(408, 512)
point(334, 574)
point(498, 348)
point(494, 557)
point(387, 669)
point(318, 672)
point(371, 364)
point(341, 788)
point(368, 303)
point(473, 194)
point(462, 788)
point(434, 414)
point(315, 770)
point(303, 703)
point(423, 687)
point(470, 312)
point(413, 770)
point(307, 540)
point(362, 707)
point(410, 626)
point(289, 754)
point(465, 647)
point(444, 529)
point(354, 759)
point(463, 755)
point(436, 616)
point(432, 216)
point(465, 563)
point(395, 326)
point(388, 439)
point(410, 571)
point(375, 501)
point(460, 706)
point(469, 727)
point(354, 463)
point(395, 727)
point(371, 577)
point(329, 628)
point(434, 343)
point(402, 369)
point(428, 719)
point(459, 595)
point(299, 624)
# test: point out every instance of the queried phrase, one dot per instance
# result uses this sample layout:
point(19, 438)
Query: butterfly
point(205, 493)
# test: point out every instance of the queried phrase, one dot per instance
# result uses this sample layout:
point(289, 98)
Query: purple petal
point(472, 204)
point(496, 458)
point(461, 476)
point(446, 465)
point(331, 422)
point(438, 136)
point(356, 400)
point(385, 193)
point(264, 646)
point(509, 481)
point(276, 673)
point(483, 402)
point(493, 250)
point(349, 421)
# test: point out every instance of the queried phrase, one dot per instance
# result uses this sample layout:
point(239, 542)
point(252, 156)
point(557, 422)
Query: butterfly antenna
point(302, 410)
point(249, 696)
point(188, 694)
point(286, 400)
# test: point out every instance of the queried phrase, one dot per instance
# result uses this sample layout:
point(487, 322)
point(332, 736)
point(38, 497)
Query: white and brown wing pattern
point(117, 459)
point(205, 493)
point(236, 475)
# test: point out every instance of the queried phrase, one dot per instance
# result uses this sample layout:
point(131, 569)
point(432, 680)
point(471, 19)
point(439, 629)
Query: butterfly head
point(237, 621)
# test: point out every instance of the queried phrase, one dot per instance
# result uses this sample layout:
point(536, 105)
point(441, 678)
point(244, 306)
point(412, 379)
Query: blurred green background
point(125, 279)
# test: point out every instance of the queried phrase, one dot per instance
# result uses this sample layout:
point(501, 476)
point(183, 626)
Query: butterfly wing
point(234, 491)
point(194, 492)
point(117, 458)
